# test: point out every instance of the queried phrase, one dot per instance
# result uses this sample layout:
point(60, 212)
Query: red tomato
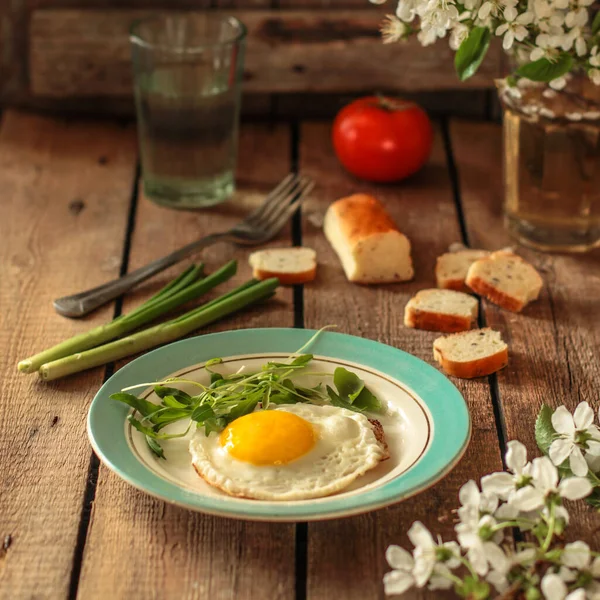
point(382, 139)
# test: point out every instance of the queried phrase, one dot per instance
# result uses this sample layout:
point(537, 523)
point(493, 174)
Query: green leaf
point(155, 447)
point(217, 425)
point(596, 24)
point(202, 413)
point(352, 389)
point(302, 360)
point(144, 407)
point(216, 379)
point(471, 52)
point(244, 407)
point(169, 415)
point(213, 361)
point(546, 70)
point(348, 384)
point(162, 391)
point(172, 402)
point(150, 432)
point(544, 431)
point(340, 402)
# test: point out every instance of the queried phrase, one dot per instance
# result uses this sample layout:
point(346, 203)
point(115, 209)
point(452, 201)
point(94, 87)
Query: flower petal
point(560, 450)
point(399, 558)
point(567, 575)
point(506, 512)
point(577, 463)
point(578, 594)
point(439, 580)
point(527, 498)
point(576, 555)
point(469, 494)
point(562, 421)
point(553, 587)
point(593, 447)
point(516, 457)
point(575, 488)
point(420, 536)
point(544, 473)
point(498, 580)
point(495, 556)
point(583, 416)
point(397, 582)
point(478, 560)
point(500, 484)
point(560, 512)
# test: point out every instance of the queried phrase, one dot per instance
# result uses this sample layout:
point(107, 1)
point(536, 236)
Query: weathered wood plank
point(554, 342)
point(138, 546)
point(346, 557)
point(65, 195)
point(85, 53)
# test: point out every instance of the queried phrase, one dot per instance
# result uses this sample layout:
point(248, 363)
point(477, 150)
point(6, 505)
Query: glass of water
point(187, 79)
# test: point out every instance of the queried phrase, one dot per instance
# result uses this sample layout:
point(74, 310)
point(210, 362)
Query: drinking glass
point(187, 81)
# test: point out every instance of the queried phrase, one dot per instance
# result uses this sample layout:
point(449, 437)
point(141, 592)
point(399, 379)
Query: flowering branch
point(529, 496)
point(548, 38)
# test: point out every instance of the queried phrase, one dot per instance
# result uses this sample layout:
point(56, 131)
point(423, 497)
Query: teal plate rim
point(446, 405)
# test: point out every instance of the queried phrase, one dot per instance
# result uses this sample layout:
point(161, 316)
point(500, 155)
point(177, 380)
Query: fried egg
point(292, 452)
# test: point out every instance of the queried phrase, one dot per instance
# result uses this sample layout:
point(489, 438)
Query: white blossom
point(504, 485)
point(570, 442)
point(401, 578)
point(392, 29)
point(545, 483)
point(514, 27)
point(554, 588)
point(459, 33)
point(407, 10)
point(427, 553)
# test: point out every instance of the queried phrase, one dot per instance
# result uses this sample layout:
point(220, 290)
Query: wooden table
point(72, 216)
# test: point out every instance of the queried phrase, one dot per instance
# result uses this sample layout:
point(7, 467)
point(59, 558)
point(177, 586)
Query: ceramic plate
point(427, 425)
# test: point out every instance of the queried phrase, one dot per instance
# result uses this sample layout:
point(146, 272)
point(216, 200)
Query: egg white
point(345, 449)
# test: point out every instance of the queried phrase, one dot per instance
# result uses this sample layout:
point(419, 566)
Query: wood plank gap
point(301, 541)
point(89, 494)
point(499, 419)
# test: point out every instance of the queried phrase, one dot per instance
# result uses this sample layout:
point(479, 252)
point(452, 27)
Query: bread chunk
point(471, 354)
point(505, 279)
point(289, 265)
point(451, 268)
point(368, 243)
point(441, 310)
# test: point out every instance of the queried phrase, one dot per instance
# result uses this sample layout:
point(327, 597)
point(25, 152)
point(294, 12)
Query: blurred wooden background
point(305, 57)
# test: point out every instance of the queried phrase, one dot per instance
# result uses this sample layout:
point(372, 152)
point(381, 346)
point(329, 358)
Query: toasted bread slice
point(451, 268)
point(289, 265)
point(471, 354)
point(505, 279)
point(441, 310)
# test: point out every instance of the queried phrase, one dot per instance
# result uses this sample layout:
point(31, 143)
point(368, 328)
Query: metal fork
point(258, 227)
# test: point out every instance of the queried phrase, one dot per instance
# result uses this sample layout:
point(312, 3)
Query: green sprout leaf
point(155, 447)
point(336, 400)
point(144, 407)
point(546, 70)
point(471, 52)
point(544, 431)
point(352, 389)
point(213, 361)
point(202, 413)
point(162, 391)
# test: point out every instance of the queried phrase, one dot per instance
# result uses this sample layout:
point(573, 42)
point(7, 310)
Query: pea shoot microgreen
point(230, 396)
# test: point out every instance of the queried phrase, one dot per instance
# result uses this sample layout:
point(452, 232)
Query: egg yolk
point(268, 437)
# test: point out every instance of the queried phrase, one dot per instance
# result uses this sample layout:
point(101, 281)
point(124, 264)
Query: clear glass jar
point(552, 164)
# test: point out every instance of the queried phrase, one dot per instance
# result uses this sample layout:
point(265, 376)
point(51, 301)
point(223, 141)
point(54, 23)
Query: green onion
point(160, 334)
point(184, 288)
